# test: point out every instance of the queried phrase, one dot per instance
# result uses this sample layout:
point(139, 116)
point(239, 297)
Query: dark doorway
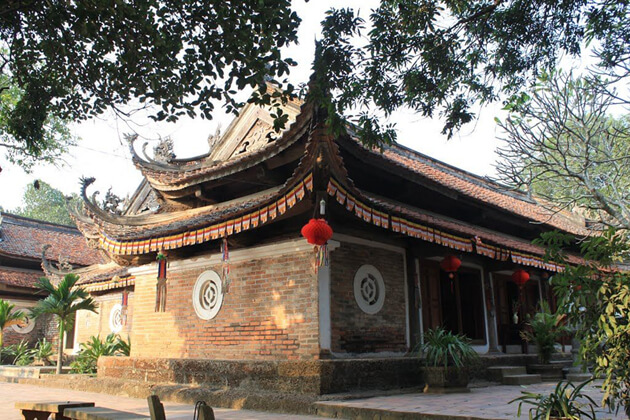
point(455, 304)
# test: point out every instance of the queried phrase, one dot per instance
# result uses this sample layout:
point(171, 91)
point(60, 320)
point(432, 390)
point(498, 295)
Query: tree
point(595, 295)
point(563, 144)
point(55, 136)
point(63, 301)
point(45, 203)
point(8, 317)
point(448, 56)
point(75, 59)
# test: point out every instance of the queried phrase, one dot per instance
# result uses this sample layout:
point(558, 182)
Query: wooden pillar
point(493, 343)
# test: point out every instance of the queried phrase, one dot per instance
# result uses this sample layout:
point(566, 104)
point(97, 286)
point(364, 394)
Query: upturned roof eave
point(192, 175)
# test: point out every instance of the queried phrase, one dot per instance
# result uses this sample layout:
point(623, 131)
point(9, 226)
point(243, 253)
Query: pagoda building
point(208, 261)
point(23, 241)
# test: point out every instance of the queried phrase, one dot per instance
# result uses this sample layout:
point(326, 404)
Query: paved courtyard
point(480, 403)
point(489, 402)
point(10, 393)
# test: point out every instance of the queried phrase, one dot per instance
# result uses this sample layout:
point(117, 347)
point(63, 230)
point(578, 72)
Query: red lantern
point(450, 264)
point(520, 277)
point(317, 232)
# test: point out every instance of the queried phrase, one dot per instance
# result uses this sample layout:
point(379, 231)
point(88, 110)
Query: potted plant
point(561, 404)
point(447, 357)
point(544, 330)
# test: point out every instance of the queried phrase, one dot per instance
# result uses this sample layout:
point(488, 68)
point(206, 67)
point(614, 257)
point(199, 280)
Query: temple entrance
point(513, 307)
point(453, 303)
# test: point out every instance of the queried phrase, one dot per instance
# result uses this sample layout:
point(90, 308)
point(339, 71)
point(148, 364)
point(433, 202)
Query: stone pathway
point(10, 393)
point(481, 403)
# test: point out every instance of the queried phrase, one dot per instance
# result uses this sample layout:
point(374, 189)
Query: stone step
point(10, 371)
point(524, 379)
point(578, 377)
point(496, 373)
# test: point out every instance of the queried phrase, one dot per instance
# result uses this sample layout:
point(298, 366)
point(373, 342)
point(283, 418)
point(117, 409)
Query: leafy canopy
point(74, 59)
point(54, 140)
point(563, 143)
point(595, 296)
point(45, 203)
point(447, 56)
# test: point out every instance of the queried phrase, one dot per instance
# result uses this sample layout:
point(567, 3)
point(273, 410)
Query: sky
point(103, 154)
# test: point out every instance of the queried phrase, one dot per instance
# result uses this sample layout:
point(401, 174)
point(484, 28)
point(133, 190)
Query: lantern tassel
point(322, 255)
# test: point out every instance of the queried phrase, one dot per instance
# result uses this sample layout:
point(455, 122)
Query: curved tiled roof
point(19, 278)
point(480, 189)
point(23, 238)
point(171, 177)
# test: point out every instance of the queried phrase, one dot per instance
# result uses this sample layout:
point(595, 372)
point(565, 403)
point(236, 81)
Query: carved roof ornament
point(163, 151)
point(63, 266)
point(112, 203)
point(256, 138)
point(214, 139)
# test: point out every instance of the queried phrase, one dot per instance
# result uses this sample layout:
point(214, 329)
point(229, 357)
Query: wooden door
point(432, 307)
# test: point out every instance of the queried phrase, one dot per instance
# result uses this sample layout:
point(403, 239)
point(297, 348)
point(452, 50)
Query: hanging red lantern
point(520, 277)
point(450, 264)
point(317, 232)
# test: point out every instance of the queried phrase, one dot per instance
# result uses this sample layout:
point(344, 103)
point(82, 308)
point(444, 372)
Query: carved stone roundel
point(207, 295)
point(26, 325)
point(115, 318)
point(369, 289)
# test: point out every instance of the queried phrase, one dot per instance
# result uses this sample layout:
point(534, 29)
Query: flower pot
point(445, 380)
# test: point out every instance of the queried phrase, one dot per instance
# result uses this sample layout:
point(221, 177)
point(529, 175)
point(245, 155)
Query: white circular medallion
point(369, 289)
point(115, 318)
point(26, 325)
point(207, 295)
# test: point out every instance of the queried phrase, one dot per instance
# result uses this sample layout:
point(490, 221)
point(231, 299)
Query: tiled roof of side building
point(483, 190)
point(22, 237)
point(19, 278)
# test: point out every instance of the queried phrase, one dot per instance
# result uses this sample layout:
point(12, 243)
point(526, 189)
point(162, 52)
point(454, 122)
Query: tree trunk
point(1, 344)
point(60, 347)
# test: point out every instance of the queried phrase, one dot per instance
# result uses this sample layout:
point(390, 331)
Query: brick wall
point(41, 329)
point(270, 313)
point(92, 324)
point(352, 330)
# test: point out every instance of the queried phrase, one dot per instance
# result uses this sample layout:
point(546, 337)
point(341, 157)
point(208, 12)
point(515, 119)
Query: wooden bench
point(101, 413)
point(42, 410)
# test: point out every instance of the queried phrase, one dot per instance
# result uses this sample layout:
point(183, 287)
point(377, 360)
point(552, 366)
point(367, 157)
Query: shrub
point(94, 348)
point(23, 355)
point(561, 403)
point(443, 348)
point(43, 350)
point(544, 330)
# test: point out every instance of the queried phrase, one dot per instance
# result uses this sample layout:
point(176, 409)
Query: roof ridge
point(13, 218)
point(470, 176)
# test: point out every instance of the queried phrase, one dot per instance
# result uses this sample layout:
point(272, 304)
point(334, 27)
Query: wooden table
point(102, 413)
point(41, 410)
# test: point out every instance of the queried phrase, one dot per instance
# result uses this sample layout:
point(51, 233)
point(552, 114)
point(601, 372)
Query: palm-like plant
point(63, 301)
point(8, 316)
point(443, 348)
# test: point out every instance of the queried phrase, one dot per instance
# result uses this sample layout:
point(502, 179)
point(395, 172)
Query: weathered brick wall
point(270, 313)
point(40, 330)
point(354, 331)
point(91, 324)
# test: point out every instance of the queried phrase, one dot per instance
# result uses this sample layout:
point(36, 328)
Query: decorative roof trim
point(403, 225)
point(111, 284)
point(225, 228)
